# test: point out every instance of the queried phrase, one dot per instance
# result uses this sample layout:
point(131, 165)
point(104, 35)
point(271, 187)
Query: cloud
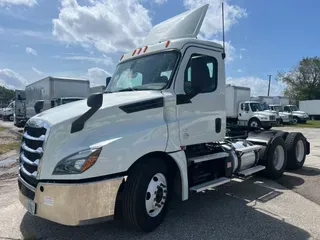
point(107, 25)
point(239, 70)
point(105, 60)
point(212, 24)
point(37, 71)
point(11, 79)
point(259, 87)
point(243, 49)
point(28, 3)
point(31, 51)
point(160, 1)
point(97, 76)
point(230, 50)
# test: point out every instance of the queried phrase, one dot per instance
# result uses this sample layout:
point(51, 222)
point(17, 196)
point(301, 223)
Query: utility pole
point(269, 85)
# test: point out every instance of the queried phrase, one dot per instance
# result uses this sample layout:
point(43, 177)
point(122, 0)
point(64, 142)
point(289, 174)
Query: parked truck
point(268, 104)
point(127, 152)
point(53, 91)
point(297, 115)
point(19, 115)
point(7, 113)
point(244, 112)
point(311, 107)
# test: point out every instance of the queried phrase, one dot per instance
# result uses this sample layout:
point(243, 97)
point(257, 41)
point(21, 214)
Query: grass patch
point(4, 148)
point(2, 129)
point(309, 124)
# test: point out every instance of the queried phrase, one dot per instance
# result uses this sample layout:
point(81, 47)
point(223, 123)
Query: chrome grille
point(272, 118)
point(31, 151)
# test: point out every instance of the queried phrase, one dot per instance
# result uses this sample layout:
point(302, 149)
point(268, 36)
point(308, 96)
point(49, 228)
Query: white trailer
point(53, 91)
point(97, 89)
point(128, 151)
point(311, 107)
point(243, 112)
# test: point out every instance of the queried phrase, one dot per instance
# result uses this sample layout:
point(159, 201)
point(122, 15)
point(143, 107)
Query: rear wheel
point(146, 195)
point(275, 158)
point(296, 150)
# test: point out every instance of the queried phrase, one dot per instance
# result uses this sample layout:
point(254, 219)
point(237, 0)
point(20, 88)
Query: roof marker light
point(139, 50)
point(134, 52)
point(121, 57)
point(145, 49)
point(167, 43)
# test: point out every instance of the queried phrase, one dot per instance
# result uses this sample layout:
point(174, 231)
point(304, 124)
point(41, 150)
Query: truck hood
point(75, 109)
point(266, 113)
point(298, 112)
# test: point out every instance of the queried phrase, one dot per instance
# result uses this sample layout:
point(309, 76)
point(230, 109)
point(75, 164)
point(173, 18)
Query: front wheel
point(295, 120)
point(254, 123)
point(146, 195)
point(11, 118)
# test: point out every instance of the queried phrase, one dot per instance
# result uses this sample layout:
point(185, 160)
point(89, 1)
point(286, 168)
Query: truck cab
point(298, 116)
point(285, 117)
point(7, 113)
point(159, 129)
point(251, 113)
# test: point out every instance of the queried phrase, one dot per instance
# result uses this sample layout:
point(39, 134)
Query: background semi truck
point(311, 107)
point(127, 152)
point(52, 91)
point(243, 112)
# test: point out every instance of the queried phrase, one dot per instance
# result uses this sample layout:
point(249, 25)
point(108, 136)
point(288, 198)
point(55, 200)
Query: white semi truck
point(7, 113)
point(311, 107)
point(157, 132)
point(242, 111)
point(53, 91)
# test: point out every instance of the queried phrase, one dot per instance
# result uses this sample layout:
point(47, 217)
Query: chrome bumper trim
point(75, 203)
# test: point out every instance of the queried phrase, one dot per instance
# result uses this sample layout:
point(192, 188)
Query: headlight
point(78, 162)
point(263, 118)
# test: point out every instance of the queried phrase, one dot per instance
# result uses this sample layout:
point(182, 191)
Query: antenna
point(223, 38)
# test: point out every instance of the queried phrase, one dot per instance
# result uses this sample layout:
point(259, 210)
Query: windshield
point(294, 108)
point(255, 107)
point(277, 108)
point(145, 73)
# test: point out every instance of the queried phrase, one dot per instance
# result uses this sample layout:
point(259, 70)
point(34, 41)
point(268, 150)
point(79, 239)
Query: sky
point(85, 38)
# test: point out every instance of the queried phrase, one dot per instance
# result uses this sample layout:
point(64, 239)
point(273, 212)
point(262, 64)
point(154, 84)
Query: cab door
point(200, 92)
point(244, 112)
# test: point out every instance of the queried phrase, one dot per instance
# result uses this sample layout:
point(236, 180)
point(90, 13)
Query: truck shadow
point(226, 213)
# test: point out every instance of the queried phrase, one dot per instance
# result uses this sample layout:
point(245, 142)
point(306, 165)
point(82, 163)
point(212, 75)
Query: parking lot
point(254, 209)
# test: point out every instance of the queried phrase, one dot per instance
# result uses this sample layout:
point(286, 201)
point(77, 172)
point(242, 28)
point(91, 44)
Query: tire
point(267, 128)
point(277, 148)
point(296, 120)
point(11, 118)
point(281, 134)
point(254, 123)
point(296, 159)
point(135, 194)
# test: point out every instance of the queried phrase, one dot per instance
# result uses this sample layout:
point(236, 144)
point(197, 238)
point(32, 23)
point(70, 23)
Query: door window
point(201, 74)
point(286, 109)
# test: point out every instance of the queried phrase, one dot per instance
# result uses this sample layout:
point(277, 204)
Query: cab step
point(211, 184)
point(250, 171)
point(208, 157)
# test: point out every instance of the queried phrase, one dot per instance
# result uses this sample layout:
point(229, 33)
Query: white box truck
point(311, 107)
point(53, 91)
point(297, 115)
point(7, 112)
point(127, 152)
point(241, 111)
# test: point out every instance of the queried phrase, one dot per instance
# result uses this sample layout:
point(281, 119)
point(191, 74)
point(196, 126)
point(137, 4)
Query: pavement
point(253, 209)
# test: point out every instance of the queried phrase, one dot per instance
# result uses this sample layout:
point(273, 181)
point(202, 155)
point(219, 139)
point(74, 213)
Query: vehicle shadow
point(307, 171)
point(217, 214)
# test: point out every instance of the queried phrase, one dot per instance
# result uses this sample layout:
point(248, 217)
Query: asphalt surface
point(253, 209)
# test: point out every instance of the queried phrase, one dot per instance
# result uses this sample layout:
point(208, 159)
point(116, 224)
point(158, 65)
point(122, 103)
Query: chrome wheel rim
point(254, 124)
point(278, 157)
point(156, 195)
point(11, 118)
point(300, 151)
point(295, 121)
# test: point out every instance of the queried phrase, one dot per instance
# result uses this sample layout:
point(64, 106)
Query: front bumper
point(268, 123)
point(72, 203)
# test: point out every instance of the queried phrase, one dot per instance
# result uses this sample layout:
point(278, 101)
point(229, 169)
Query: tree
point(303, 81)
point(6, 95)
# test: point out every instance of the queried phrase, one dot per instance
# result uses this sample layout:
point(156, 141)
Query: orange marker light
point(139, 50)
point(167, 43)
point(145, 49)
point(91, 160)
point(134, 52)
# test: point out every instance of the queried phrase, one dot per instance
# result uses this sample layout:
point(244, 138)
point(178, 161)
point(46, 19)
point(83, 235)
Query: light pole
point(269, 85)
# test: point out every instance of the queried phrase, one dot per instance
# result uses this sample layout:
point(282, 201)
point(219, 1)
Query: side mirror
point(95, 100)
point(108, 79)
point(38, 106)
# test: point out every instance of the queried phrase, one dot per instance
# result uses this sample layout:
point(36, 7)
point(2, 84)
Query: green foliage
point(303, 81)
point(6, 94)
